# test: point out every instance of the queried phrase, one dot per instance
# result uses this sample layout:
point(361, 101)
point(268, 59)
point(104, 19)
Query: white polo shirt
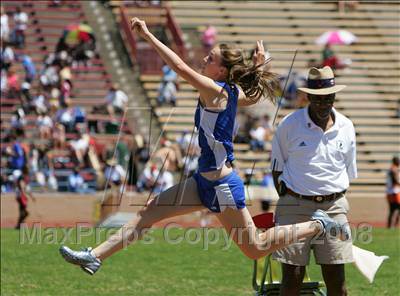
point(314, 162)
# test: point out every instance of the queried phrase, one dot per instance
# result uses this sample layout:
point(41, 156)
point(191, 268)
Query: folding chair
point(267, 272)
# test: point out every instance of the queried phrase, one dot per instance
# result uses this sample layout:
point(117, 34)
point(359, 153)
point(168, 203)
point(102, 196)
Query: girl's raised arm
point(206, 86)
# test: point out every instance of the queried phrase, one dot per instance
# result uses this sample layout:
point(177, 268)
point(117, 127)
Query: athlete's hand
point(139, 27)
point(259, 54)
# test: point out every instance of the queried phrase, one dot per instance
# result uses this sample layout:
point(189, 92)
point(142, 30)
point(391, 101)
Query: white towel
point(367, 262)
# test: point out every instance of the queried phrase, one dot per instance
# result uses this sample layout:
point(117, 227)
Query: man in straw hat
point(313, 160)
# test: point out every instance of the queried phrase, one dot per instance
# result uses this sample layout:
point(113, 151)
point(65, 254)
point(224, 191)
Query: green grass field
point(163, 269)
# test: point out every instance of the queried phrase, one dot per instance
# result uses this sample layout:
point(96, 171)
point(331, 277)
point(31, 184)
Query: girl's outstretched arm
point(207, 88)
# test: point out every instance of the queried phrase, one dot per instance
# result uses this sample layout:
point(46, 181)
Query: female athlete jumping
point(226, 81)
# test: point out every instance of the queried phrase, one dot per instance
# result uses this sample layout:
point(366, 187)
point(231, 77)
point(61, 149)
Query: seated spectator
point(265, 122)
point(26, 97)
point(267, 179)
point(18, 121)
point(168, 86)
point(169, 154)
point(39, 103)
point(295, 80)
point(191, 151)
point(5, 29)
point(76, 182)
point(257, 134)
point(165, 181)
point(45, 125)
point(114, 173)
point(54, 99)
point(330, 59)
point(66, 89)
point(7, 56)
point(343, 4)
point(29, 67)
point(59, 136)
point(209, 38)
point(69, 116)
point(21, 21)
point(3, 83)
point(16, 154)
point(116, 101)
point(148, 178)
point(84, 51)
point(80, 147)
point(40, 168)
point(191, 158)
point(13, 84)
point(50, 76)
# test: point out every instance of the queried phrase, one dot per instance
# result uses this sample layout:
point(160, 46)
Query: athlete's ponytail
point(256, 81)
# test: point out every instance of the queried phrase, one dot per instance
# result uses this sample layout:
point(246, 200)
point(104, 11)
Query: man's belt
point(317, 198)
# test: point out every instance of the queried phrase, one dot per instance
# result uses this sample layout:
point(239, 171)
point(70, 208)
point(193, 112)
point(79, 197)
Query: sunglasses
point(322, 99)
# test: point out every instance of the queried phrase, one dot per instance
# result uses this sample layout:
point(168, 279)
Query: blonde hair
point(255, 81)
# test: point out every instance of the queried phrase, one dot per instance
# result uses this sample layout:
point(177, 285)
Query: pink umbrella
point(336, 37)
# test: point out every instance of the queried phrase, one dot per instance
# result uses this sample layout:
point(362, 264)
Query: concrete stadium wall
point(52, 209)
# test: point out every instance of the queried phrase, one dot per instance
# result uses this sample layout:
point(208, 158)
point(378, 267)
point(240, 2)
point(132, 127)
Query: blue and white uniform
point(216, 130)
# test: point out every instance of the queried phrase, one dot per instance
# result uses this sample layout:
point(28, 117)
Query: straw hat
point(321, 82)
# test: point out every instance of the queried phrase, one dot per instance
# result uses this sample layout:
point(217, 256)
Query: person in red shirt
point(22, 194)
point(393, 193)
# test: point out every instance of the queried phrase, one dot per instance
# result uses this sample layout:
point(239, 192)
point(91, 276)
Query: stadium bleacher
point(90, 83)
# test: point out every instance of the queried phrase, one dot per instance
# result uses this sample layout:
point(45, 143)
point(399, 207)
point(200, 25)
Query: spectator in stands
point(29, 67)
point(69, 116)
point(393, 193)
point(5, 29)
point(258, 135)
point(5, 183)
point(33, 163)
point(168, 86)
point(26, 97)
point(76, 182)
point(13, 85)
point(169, 154)
point(295, 80)
point(148, 178)
point(114, 173)
point(59, 136)
point(116, 101)
point(50, 76)
point(21, 21)
point(45, 125)
point(16, 154)
point(190, 160)
point(39, 102)
point(3, 83)
point(190, 150)
point(330, 59)
point(84, 51)
point(18, 121)
point(22, 193)
point(7, 56)
point(343, 4)
point(165, 181)
point(65, 89)
point(209, 38)
point(80, 147)
point(122, 152)
point(54, 99)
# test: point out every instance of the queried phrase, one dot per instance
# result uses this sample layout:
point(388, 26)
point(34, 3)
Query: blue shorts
point(227, 192)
